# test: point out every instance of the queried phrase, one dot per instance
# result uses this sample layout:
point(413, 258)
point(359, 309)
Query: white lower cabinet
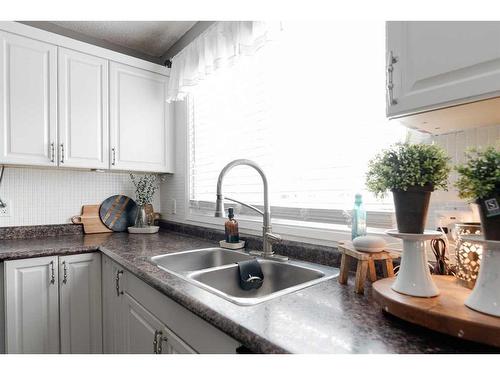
point(140, 320)
point(80, 303)
point(53, 304)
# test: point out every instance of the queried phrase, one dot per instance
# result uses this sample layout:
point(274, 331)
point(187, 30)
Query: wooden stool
point(365, 266)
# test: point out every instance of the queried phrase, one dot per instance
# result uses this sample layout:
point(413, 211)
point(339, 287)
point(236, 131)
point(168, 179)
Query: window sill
point(308, 232)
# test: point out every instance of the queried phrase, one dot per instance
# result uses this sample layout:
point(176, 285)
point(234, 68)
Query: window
point(309, 107)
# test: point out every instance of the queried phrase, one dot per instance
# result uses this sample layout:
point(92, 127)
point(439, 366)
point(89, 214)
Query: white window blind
point(309, 107)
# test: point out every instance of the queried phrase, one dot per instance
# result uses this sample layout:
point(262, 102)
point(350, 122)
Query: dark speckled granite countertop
point(325, 318)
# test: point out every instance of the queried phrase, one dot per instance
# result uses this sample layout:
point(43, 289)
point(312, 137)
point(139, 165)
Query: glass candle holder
point(468, 254)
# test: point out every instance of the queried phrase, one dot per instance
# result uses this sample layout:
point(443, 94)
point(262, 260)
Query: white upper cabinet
point(28, 95)
point(139, 120)
point(438, 64)
point(83, 110)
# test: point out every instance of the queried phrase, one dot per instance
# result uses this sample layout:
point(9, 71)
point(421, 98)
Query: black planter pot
point(489, 211)
point(411, 208)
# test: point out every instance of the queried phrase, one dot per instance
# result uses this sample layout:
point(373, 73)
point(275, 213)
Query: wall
point(446, 203)
point(51, 196)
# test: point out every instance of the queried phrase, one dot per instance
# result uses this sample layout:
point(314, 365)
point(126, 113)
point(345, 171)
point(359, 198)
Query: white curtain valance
point(218, 46)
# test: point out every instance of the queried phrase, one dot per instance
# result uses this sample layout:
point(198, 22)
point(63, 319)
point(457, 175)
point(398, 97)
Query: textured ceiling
point(152, 38)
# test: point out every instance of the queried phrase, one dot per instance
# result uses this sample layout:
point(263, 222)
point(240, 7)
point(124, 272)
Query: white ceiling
point(151, 38)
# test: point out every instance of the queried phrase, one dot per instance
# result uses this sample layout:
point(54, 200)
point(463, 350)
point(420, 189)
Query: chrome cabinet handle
point(158, 340)
point(113, 156)
point(62, 153)
point(65, 273)
point(52, 273)
point(52, 153)
point(390, 79)
point(117, 280)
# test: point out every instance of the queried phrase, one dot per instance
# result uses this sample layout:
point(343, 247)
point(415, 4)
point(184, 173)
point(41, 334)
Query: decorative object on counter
point(414, 276)
point(445, 313)
point(468, 254)
point(411, 172)
point(365, 264)
point(231, 228)
point(148, 229)
point(232, 245)
point(479, 179)
point(442, 265)
point(358, 223)
point(90, 219)
point(118, 212)
point(369, 244)
point(145, 189)
point(151, 215)
point(485, 296)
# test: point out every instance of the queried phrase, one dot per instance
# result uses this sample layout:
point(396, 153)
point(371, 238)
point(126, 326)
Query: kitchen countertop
point(324, 318)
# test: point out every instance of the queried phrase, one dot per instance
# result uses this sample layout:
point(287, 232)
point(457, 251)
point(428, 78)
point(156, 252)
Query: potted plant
point(479, 180)
point(145, 188)
point(411, 172)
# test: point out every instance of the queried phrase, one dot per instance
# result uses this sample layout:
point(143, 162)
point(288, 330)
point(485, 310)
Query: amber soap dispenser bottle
point(231, 226)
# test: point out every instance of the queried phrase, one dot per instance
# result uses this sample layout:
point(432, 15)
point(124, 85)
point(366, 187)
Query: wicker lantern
point(468, 255)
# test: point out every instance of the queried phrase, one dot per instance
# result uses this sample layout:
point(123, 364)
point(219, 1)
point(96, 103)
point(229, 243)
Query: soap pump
point(231, 228)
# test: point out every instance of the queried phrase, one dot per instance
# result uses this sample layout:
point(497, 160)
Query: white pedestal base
point(414, 277)
point(485, 296)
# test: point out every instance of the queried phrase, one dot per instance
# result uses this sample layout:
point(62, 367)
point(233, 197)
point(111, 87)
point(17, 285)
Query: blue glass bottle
point(358, 218)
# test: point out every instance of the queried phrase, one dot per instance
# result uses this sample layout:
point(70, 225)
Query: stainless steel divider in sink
point(215, 270)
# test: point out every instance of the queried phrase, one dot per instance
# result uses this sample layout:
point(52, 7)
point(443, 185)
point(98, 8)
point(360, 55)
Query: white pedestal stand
point(485, 296)
point(414, 277)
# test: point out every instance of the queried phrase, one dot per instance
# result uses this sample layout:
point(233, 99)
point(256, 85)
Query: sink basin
point(215, 270)
point(279, 279)
point(198, 259)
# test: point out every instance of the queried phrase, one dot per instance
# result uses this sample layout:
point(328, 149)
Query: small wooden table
point(365, 266)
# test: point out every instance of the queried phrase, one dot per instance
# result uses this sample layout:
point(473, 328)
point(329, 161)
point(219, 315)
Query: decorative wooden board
point(118, 212)
point(445, 313)
point(90, 219)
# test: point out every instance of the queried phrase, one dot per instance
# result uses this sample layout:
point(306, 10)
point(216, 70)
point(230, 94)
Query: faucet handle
point(273, 238)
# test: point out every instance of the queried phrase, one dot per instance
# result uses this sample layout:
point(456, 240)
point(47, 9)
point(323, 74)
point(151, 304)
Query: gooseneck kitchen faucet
point(268, 238)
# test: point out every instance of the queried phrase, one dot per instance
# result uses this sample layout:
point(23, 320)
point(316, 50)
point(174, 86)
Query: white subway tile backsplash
point(51, 196)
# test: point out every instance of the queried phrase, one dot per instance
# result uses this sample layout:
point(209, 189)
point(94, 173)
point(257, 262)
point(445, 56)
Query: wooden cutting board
point(90, 219)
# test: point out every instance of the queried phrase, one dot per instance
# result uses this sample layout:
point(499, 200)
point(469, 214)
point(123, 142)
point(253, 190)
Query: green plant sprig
point(405, 165)
point(479, 176)
point(145, 188)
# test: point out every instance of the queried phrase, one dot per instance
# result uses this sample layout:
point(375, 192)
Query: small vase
point(141, 220)
point(489, 211)
point(411, 207)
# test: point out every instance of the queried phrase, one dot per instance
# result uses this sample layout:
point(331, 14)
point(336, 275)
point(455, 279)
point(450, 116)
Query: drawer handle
point(52, 153)
point(52, 273)
point(158, 340)
point(62, 153)
point(117, 280)
point(65, 273)
point(390, 79)
point(113, 156)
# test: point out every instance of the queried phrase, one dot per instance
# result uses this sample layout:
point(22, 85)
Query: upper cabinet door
point(32, 306)
point(437, 64)
point(28, 108)
point(139, 120)
point(83, 110)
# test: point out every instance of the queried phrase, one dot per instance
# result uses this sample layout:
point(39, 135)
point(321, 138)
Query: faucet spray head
point(219, 206)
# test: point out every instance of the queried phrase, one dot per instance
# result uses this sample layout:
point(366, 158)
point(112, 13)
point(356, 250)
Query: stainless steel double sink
point(215, 270)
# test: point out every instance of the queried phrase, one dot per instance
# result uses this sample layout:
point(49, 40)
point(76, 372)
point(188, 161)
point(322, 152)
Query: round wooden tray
point(445, 313)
